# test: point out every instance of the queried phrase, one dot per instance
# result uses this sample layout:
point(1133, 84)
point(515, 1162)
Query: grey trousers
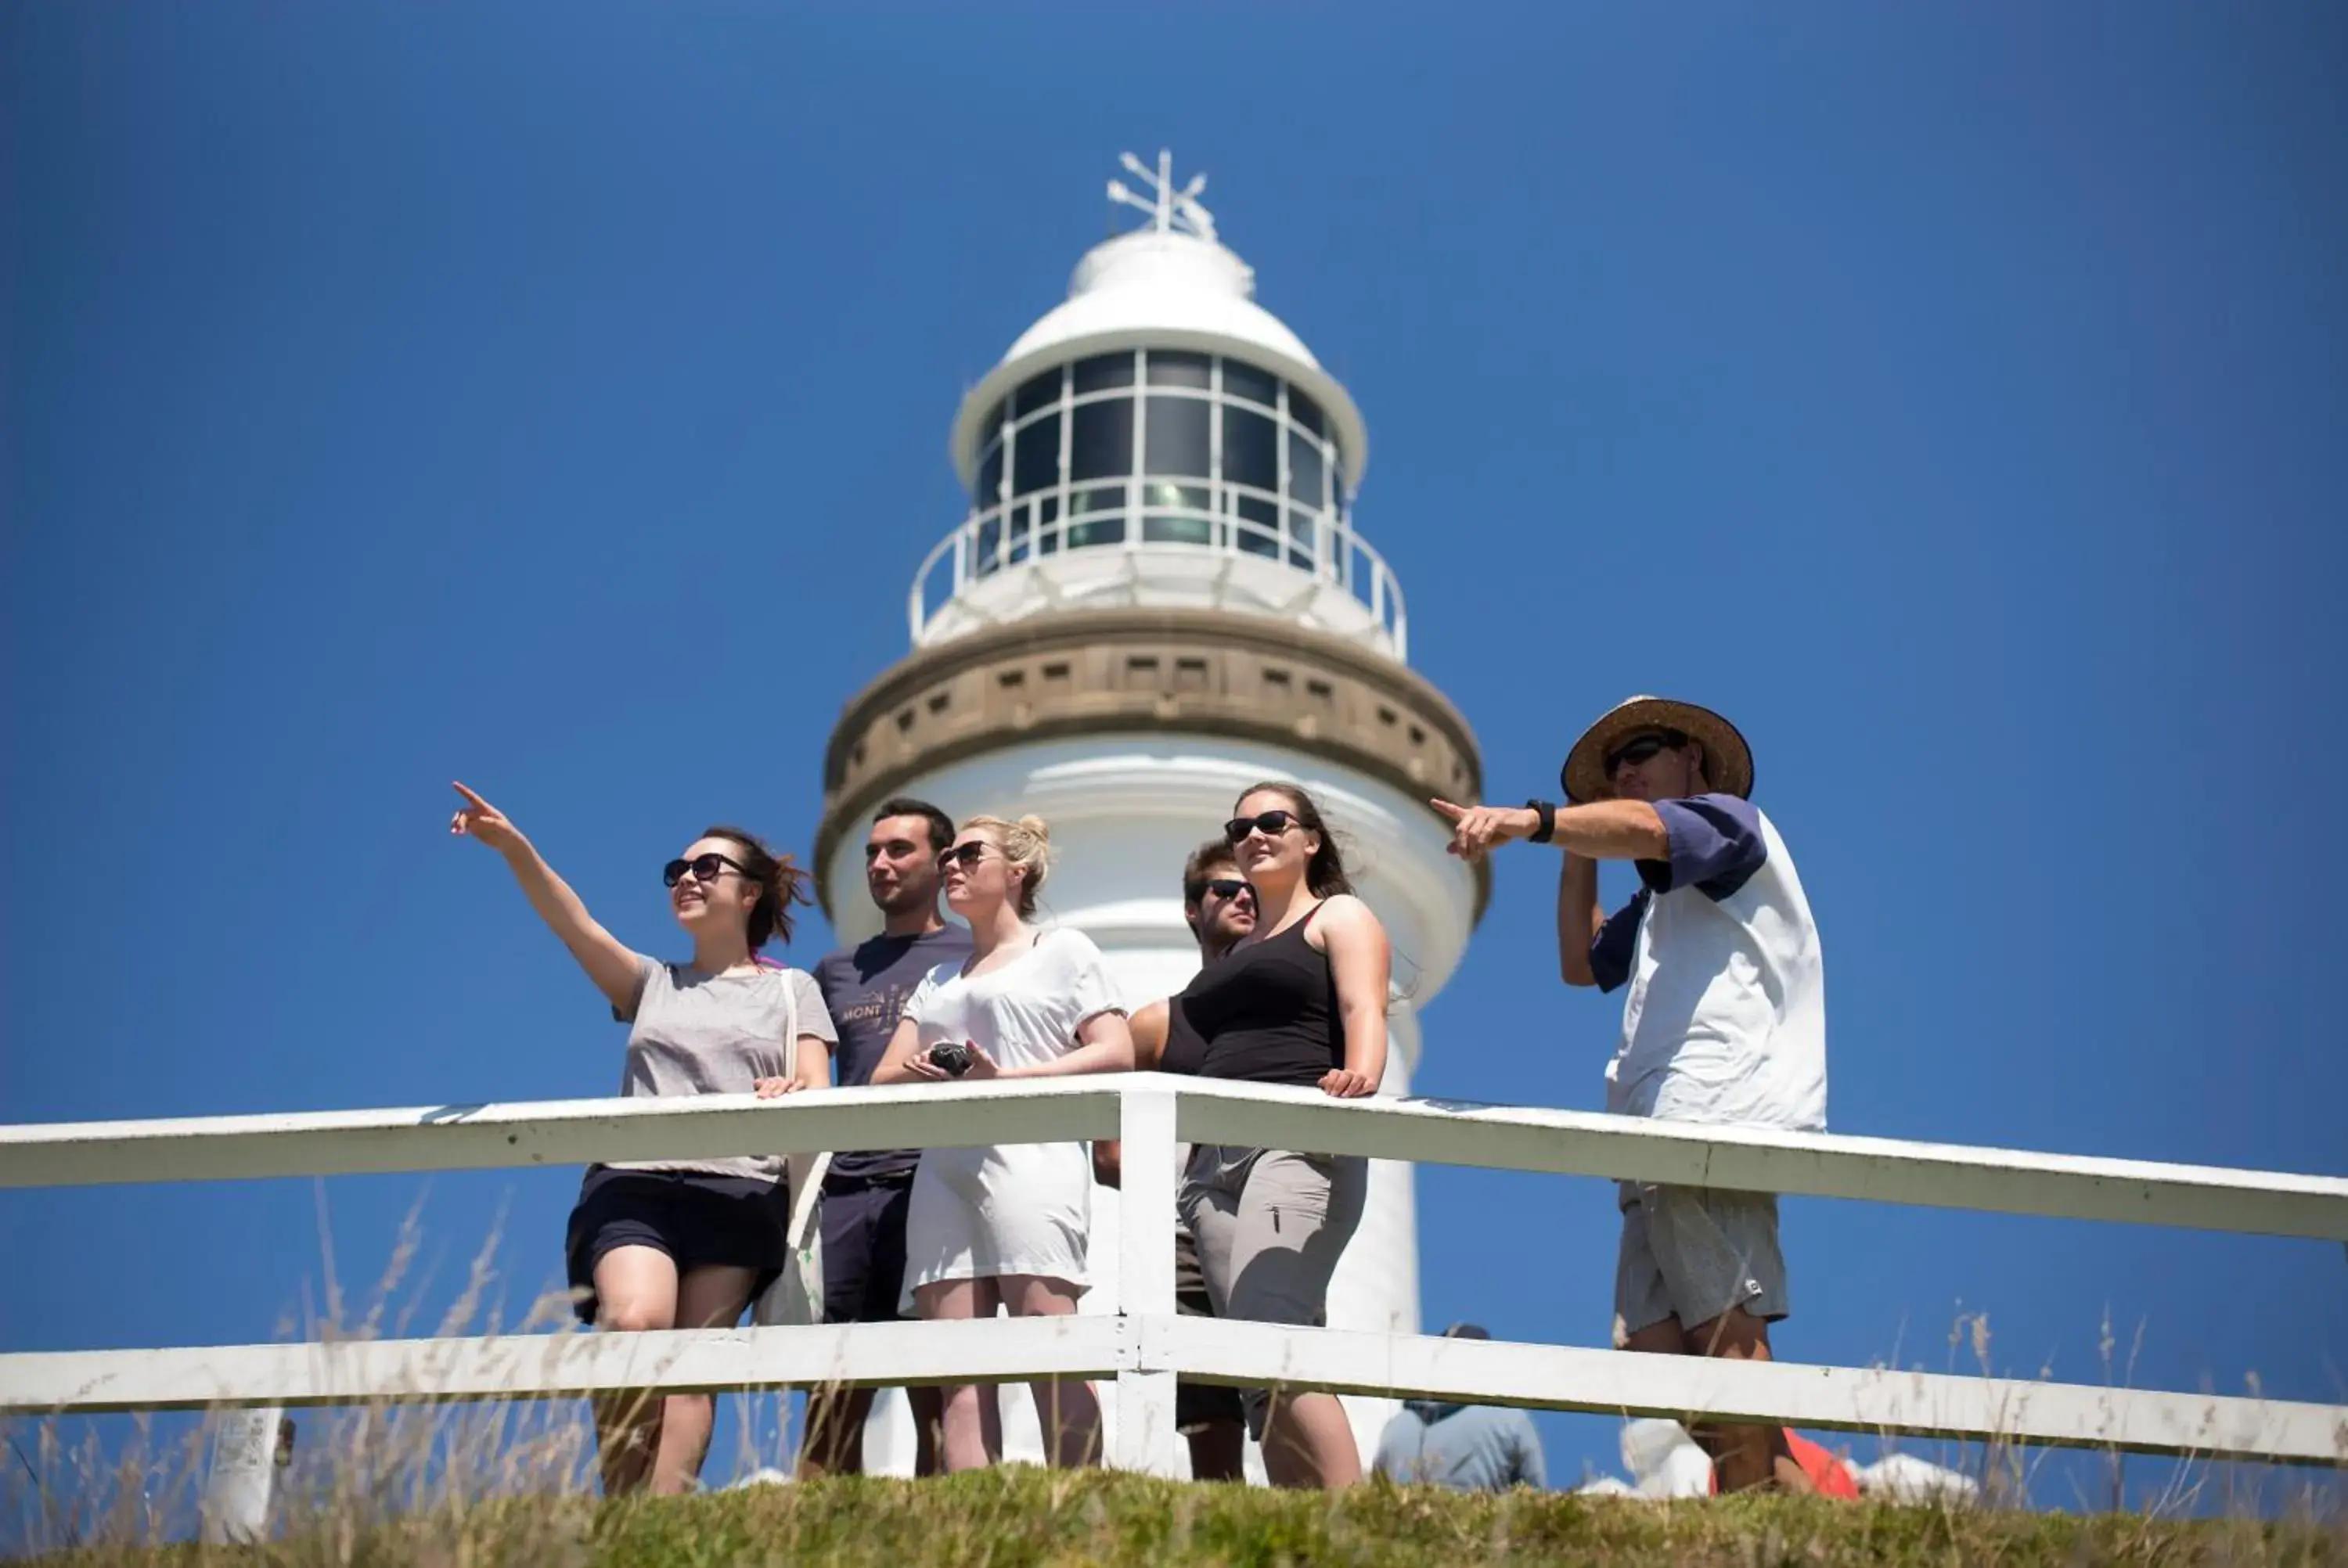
point(1270, 1226)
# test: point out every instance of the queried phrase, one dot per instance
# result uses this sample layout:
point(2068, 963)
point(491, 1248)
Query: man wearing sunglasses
point(1219, 905)
point(867, 1194)
point(1724, 1022)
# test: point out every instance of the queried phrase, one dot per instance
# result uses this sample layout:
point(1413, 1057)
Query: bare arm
point(1149, 1028)
point(1578, 916)
point(811, 1070)
point(1104, 1044)
point(1602, 830)
point(617, 970)
point(814, 1061)
point(1361, 962)
point(897, 1062)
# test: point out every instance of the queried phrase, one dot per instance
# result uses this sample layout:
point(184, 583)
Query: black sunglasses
point(1271, 824)
point(705, 868)
point(1226, 888)
point(1639, 750)
point(966, 855)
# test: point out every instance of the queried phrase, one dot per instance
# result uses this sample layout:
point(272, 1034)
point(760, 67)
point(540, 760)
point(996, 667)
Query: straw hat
point(1727, 760)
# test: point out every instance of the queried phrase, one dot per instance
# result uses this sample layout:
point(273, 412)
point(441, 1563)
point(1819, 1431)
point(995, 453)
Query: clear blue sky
point(556, 397)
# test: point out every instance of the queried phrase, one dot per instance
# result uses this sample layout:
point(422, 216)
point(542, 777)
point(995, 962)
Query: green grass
point(1017, 1516)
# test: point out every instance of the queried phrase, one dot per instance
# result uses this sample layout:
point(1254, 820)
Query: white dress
point(1008, 1208)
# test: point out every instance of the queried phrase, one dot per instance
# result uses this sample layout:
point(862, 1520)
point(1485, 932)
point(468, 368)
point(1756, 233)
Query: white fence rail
point(1147, 1346)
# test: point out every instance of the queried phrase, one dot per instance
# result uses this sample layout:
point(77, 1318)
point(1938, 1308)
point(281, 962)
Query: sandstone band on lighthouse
point(1724, 1022)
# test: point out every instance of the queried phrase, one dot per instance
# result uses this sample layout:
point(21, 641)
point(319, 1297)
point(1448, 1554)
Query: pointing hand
point(1477, 829)
point(476, 818)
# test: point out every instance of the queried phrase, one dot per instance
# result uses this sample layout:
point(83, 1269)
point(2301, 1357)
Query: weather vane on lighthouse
point(1171, 211)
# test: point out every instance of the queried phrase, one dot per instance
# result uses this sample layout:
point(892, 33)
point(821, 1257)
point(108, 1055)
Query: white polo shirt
point(1727, 1019)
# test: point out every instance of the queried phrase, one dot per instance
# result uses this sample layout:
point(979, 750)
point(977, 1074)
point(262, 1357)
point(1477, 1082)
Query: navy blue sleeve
point(1716, 845)
point(1611, 949)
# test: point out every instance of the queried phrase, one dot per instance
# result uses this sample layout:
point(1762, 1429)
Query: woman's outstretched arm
point(617, 971)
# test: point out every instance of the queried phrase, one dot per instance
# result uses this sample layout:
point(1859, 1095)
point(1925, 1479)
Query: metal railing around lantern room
point(1142, 518)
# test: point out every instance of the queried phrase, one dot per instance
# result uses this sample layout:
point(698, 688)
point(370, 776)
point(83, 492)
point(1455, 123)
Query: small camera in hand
point(952, 1057)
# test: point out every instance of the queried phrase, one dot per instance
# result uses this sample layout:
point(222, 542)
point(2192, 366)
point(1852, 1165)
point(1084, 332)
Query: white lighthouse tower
point(1157, 599)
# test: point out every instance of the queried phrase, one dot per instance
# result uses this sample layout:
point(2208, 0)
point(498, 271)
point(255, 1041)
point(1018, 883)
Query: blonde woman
point(1005, 1225)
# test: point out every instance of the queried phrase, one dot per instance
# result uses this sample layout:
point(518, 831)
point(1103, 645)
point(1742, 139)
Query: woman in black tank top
point(1302, 1001)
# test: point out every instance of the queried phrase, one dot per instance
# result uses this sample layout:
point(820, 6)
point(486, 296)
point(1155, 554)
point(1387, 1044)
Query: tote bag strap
point(807, 1169)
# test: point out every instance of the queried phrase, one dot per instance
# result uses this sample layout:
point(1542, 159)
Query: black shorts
point(1197, 1404)
point(864, 1247)
point(700, 1220)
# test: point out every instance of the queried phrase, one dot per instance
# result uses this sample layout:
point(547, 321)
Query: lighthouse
point(1156, 599)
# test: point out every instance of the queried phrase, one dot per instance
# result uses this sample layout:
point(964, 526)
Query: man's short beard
point(906, 900)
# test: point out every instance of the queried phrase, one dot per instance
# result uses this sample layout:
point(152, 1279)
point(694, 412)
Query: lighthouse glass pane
point(990, 479)
point(1104, 371)
point(1172, 367)
point(1245, 381)
point(1304, 469)
point(1194, 527)
point(989, 553)
point(1305, 412)
point(1258, 532)
point(1036, 461)
point(1303, 530)
point(1251, 449)
point(1101, 444)
point(1174, 436)
point(1095, 516)
point(1036, 391)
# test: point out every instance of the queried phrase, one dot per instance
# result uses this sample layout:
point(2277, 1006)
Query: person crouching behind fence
point(1007, 1225)
point(1725, 1021)
point(688, 1244)
point(1219, 905)
point(1303, 1000)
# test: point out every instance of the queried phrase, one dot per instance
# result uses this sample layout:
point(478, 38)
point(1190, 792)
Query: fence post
point(1145, 1398)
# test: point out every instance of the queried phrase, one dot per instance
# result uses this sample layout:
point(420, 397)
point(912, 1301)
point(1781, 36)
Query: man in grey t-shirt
point(865, 1195)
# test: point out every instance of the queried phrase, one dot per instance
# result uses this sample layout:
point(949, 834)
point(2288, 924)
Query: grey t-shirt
point(696, 1034)
point(1468, 1448)
point(867, 987)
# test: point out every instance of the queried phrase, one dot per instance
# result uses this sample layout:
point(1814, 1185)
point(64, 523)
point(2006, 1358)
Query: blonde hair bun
point(1027, 846)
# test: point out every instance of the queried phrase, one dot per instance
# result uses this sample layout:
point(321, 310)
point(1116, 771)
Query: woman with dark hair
point(669, 1244)
point(1300, 1001)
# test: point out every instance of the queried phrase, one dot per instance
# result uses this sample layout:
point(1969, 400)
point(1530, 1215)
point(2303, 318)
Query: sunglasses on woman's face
point(1639, 751)
point(1230, 887)
point(966, 855)
point(705, 868)
point(1271, 824)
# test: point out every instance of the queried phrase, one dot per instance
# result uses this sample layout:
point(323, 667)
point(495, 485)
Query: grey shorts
point(1694, 1252)
point(1270, 1226)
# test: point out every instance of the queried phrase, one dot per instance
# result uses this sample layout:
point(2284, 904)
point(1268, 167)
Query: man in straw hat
point(1725, 1022)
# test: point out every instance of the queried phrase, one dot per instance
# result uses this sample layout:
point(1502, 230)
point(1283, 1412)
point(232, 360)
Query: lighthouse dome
point(1159, 440)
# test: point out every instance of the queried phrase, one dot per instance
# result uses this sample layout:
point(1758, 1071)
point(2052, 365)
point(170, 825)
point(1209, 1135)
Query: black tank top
point(1266, 1013)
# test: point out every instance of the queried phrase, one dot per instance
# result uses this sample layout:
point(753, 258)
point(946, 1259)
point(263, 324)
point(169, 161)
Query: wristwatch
point(1547, 813)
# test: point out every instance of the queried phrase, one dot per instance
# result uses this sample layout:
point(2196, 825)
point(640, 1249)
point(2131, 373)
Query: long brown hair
point(1324, 874)
point(782, 883)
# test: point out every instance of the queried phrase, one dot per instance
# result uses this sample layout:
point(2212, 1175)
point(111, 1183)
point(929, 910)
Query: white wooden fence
point(1147, 1346)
